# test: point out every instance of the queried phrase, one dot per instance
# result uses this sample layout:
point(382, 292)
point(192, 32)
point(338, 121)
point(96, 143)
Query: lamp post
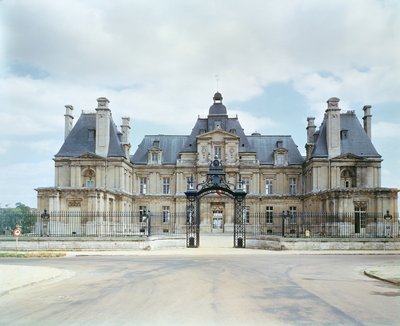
point(283, 221)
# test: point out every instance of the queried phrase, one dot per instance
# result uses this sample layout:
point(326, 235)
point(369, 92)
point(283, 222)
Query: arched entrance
point(215, 183)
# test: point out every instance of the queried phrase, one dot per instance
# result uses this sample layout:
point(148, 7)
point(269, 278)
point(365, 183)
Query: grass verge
point(31, 254)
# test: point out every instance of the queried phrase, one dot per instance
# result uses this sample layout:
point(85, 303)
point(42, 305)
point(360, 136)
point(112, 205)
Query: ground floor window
point(165, 214)
point(360, 216)
point(269, 214)
point(292, 214)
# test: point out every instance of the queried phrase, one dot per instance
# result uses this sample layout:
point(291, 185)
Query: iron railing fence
point(94, 224)
point(324, 225)
point(124, 224)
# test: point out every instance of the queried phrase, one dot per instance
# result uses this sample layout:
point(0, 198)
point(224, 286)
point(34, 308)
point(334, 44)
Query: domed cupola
point(217, 108)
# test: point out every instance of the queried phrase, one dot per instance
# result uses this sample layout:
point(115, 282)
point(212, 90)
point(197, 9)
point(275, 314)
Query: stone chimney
point(333, 127)
point(103, 118)
point(68, 120)
point(367, 119)
point(310, 136)
point(125, 129)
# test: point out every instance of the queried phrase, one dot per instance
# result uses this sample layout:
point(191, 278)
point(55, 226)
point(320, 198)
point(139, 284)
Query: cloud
point(31, 176)
point(156, 61)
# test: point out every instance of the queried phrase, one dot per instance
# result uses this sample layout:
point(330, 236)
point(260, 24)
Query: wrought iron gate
point(215, 183)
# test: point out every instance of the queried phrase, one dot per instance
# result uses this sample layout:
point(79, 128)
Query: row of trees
point(22, 215)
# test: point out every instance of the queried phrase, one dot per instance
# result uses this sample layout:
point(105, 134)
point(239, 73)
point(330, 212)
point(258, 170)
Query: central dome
point(217, 108)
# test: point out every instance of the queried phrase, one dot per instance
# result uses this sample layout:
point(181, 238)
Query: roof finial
point(217, 80)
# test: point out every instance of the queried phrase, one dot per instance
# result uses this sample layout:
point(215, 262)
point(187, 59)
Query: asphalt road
point(253, 288)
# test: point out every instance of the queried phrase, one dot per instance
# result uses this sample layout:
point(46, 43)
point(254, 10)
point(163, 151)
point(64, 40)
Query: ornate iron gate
point(215, 183)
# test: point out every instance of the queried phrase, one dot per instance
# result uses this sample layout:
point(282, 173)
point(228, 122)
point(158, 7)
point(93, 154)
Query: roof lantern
point(217, 108)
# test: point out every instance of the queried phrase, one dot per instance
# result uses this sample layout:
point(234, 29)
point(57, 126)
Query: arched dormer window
point(347, 179)
point(89, 178)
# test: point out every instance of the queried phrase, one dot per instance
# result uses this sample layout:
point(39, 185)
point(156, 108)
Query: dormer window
point(281, 157)
point(154, 156)
point(92, 135)
point(344, 134)
point(347, 178)
point(89, 178)
point(156, 143)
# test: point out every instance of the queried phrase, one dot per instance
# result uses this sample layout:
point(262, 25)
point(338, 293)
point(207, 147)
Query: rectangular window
point(166, 185)
point(165, 214)
point(143, 185)
point(218, 151)
point(92, 135)
point(360, 219)
point(154, 157)
point(269, 214)
point(189, 183)
point(90, 183)
point(142, 212)
point(246, 214)
point(268, 186)
point(292, 214)
point(246, 184)
point(292, 186)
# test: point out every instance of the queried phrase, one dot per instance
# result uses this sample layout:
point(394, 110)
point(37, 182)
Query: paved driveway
point(232, 287)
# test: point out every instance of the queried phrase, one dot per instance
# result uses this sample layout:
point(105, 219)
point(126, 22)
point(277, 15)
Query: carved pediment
point(348, 156)
point(89, 155)
point(217, 133)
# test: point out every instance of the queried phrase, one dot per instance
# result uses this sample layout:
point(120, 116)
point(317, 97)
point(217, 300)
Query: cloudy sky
point(277, 63)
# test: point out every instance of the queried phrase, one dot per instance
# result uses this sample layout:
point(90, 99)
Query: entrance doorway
point(217, 219)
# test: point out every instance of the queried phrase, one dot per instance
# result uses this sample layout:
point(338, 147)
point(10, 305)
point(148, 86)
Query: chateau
point(341, 172)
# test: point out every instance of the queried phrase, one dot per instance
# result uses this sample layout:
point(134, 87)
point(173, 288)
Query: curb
point(381, 278)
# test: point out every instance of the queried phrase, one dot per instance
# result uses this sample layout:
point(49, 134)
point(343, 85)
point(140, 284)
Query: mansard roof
point(170, 145)
point(265, 145)
point(78, 141)
point(354, 139)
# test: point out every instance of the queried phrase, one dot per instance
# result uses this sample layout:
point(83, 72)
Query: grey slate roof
point(357, 141)
point(265, 145)
point(78, 141)
point(171, 146)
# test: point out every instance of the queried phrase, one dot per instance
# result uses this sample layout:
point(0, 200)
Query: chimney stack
point(125, 129)
point(68, 120)
point(103, 118)
point(310, 136)
point(367, 120)
point(333, 127)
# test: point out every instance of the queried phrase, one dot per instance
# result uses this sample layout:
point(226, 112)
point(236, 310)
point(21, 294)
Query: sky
point(276, 62)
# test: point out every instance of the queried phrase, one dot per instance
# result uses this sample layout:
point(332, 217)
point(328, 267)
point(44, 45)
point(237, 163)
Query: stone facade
point(94, 170)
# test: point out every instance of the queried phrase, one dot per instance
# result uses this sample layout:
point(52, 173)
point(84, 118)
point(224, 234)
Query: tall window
point(154, 157)
point(189, 182)
point(166, 185)
point(218, 151)
point(165, 214)
point(143, 185)
point(246, 214)
point(268, 186)
point(269, 214)
point(360, 216)
point(142, 212)
point(292, 186)
point(246, 184)
point(293, 214)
